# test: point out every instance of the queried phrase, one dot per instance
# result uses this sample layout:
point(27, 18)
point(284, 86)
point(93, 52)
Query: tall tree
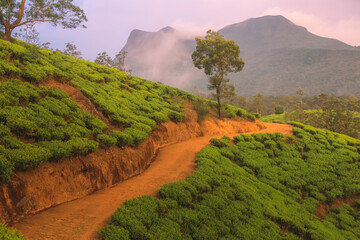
point(258, 103)
point(71, 50)
point(118, 63)
point(17, 13)
point(218, 57)
point(104, 59)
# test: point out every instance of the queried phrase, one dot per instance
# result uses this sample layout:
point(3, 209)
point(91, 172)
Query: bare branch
point(36, 20)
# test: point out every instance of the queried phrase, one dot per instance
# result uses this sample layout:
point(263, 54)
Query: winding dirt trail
point(81, 219)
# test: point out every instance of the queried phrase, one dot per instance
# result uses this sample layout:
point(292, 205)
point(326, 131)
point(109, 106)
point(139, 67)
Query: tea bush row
point(8, 234)
point(48, 116)
point(319, 167)
point(278, 182)
point(53, 126)
point(124, 99)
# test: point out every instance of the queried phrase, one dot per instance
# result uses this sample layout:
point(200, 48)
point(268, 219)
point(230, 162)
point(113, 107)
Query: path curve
point(80, 219)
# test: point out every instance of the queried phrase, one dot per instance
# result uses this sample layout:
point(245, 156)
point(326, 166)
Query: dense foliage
point(16, 13)
point(7, 234)
point(41, 123)
point(218, 57)
point(335, 113)
point(272, 192)
point(51, 123)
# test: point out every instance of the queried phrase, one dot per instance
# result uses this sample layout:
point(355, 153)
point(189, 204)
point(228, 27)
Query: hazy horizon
point(110, 24)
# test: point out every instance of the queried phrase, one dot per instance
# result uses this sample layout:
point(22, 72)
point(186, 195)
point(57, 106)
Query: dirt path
point(81, 219)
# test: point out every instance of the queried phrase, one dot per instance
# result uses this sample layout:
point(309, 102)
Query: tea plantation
point(39, 124)
point(265, 186)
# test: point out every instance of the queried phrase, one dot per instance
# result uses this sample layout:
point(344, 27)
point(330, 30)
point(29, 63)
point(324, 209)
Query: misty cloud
point(164, 56)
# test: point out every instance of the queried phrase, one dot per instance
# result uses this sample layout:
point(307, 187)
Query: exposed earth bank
point(52, 183)
point(80, 219)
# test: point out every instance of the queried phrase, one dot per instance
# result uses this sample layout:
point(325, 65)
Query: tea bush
point(276, 184)
point(122, 98)
point(8, 234)
point(107, 140)
point(54, 125)
point(38, 124)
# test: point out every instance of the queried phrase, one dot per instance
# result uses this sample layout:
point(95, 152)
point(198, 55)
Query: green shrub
point(58, 149)
point(257, 115)
point(182, 192)
point(4, 130)
point(82, 146)
point(220, 143)
point(176, 116)
point(107, 140)
point(251, 117)
point(138, 135)
point(279, 110)
point(123, 139)
point(277, 185)
point(6, 169)
point(28, 156)
point(8, 69)
point(33, 73)
point(8, 234)
point(164, 229)
point(202, 109)
point(112, 232)
point(159, 117)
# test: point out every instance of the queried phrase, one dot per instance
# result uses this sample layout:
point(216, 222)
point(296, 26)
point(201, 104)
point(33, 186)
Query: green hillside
point(266, 186)
point(340, 121)
point(39, 123)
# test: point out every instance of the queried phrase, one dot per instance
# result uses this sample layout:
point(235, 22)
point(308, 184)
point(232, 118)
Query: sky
point(111, 21)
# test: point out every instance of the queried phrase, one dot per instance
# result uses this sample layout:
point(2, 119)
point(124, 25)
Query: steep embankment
point(69, 127)
point(264, 186)
point(53, 183)
point(81, 218)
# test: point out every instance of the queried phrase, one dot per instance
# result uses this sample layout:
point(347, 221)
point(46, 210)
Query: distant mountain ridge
point(274, 32)
point(279, 57)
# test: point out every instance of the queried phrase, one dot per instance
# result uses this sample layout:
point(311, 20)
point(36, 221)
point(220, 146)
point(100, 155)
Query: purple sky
point(111, 21)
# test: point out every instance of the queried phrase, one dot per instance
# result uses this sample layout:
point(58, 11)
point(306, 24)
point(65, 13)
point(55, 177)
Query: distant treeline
point(336, 113)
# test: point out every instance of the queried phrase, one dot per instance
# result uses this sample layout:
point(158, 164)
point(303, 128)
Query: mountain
point(279, 57)
point(275, 32)
point(163, 56)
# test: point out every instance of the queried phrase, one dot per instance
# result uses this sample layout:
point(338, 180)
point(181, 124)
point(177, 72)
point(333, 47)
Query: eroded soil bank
point(82, 218)
point(51, 183)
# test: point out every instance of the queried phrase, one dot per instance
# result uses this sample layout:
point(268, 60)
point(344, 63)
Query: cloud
point(343, 30)
point(190, 30)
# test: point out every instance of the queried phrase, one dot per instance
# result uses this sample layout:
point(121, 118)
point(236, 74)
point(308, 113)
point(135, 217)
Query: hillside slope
point(172, 163)
point(78, 126)
point(279, 57)
point(264, 186)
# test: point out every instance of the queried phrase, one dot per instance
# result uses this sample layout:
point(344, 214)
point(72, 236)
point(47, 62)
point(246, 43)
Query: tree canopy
point(118, 63)
point(218, 57)
point(16, 13)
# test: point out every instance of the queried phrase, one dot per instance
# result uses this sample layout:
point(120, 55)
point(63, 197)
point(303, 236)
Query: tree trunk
point(218, 100)
point(7, 35)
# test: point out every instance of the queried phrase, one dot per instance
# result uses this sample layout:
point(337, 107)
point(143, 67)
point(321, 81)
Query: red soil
point(324, 209)
point(84, 102)
point(82, 218)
